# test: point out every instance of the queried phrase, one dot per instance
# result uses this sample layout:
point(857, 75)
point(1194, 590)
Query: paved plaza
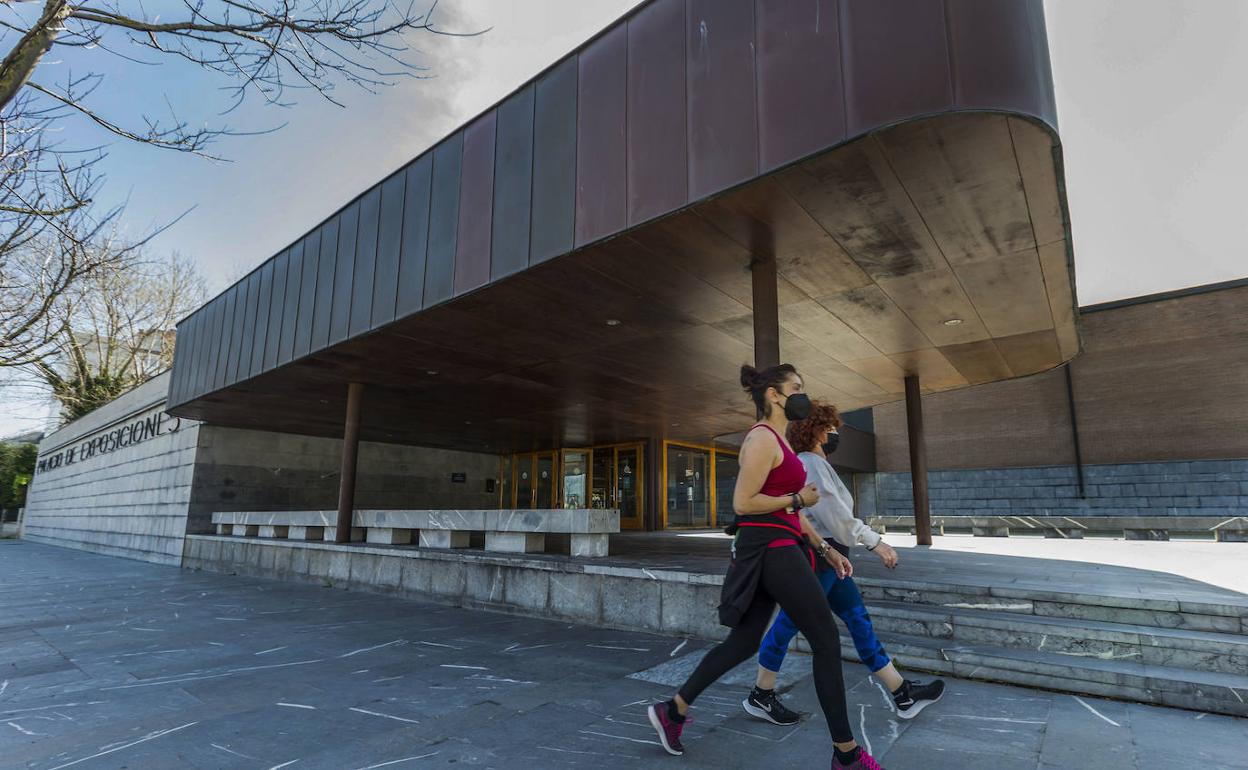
point(111, 663)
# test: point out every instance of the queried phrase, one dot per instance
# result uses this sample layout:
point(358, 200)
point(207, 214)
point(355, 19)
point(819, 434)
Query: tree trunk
point(22, 60)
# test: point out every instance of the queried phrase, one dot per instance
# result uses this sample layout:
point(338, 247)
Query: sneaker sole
point(766, 716)
point(913, 711)
point(658, 728)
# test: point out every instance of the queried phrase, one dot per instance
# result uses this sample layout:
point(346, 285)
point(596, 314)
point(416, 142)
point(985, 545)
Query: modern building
point(571, 281)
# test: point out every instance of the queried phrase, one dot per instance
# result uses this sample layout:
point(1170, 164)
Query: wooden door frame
point(712, 477)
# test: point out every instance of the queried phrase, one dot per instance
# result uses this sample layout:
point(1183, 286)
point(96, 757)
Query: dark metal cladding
point(896, 62)
point(389, 240)
point(554, 163)
point(263, 302)
point(344, 272)
point(212, 353)
point(181, 369)
point(236, 336)
point(326, 284)
point(249, 327)
point(476, 204)
point(658, 161)
point(290, 312)
point(513, 185)
point(799, 74)
point(227, 334)
point(601, 156)
point(723, 113)
point(443, 219)
point(187, 341)
point(365, 262)
point(307, 293)
point(277, 310)
point(411, 294)
point(199, 352)
point(1000, 59)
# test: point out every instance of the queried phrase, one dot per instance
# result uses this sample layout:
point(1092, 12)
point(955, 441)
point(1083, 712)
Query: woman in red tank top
point(770, 566)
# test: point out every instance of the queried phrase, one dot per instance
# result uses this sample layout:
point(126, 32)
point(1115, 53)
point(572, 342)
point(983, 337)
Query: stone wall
point(107, 486)
point(247, 470)
point(1196, 488)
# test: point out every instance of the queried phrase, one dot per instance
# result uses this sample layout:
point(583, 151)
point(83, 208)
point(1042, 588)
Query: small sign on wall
point(459, 478)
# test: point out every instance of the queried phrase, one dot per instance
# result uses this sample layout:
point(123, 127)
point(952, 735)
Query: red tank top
point(785, 479)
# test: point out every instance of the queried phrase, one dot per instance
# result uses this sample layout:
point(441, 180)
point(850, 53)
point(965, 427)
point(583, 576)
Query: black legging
point(787, 579)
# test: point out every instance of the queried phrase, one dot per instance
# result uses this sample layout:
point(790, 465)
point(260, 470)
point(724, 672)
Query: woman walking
point(771, 564)
point(833, 521)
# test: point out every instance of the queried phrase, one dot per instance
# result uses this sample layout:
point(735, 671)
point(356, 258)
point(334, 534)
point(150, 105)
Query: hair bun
point(750, 377)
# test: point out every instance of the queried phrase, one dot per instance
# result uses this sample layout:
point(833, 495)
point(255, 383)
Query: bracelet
point(796, 500)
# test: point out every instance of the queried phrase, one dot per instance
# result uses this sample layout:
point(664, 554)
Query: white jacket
point(833, 516)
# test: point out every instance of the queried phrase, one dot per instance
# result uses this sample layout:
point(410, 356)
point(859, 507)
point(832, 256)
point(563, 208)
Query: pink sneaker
point(864, 762)
point(668, 730)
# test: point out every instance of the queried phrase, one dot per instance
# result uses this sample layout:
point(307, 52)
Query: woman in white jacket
point(832, 518)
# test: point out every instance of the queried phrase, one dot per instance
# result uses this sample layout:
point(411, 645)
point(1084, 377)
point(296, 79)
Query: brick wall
point(1164, 380)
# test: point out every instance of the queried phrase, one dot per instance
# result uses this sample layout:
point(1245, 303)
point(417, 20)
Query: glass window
point(575, 478)
point(504, 492)
point(688, 487)
point(726, 467)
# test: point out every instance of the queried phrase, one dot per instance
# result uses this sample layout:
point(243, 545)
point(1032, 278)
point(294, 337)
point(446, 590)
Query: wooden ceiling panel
point(855, 196)
point(1035, 151)
point(873, 314)
point(934, 370)
point(962, 175)
point(1030, 353)
point(886, 373)
point(1008, 292)
point(978, 362)
point(815, 324)
point(932, 298)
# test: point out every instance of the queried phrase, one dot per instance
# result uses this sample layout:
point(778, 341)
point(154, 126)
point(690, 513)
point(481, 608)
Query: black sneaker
point(914, 696)
point(764, 704)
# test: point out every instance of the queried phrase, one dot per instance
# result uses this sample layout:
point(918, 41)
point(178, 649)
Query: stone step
point(1218, 693)
point(1228, 615)
point(1178, 648)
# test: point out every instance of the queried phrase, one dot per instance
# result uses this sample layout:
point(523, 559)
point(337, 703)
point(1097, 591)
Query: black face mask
point(797, 407)
point(830, 445)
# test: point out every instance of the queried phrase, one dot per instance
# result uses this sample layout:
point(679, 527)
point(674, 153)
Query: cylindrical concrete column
point(350, 452)
point(918, 461)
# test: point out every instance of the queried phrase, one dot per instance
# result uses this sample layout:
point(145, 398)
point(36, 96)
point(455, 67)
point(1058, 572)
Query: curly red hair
point(805, 435)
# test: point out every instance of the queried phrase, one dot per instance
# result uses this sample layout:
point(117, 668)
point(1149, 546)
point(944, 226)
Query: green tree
point(17, 466)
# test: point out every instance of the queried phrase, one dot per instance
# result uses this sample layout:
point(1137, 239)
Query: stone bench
point(507, 531)
point(1224, 529)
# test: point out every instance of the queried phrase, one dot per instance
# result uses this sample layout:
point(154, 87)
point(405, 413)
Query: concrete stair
point(1186, 654)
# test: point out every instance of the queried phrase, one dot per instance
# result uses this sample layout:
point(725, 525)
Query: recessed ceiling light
point(613, 322)
point(953, 322)
point(432, 372)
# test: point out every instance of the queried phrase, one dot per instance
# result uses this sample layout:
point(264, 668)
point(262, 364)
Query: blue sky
point(1150, 103)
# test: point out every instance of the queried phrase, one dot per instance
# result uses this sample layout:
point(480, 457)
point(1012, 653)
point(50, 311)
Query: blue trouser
point(846, 602)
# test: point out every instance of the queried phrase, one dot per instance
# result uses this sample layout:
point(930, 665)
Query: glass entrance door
point(617, 480)
point(688, 486)
point(535, 480)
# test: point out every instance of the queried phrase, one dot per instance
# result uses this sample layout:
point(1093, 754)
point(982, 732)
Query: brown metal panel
point(411, 294)
point(226, 336)
point(212, 355)
point(554, 163)
point(344, 273)
point(277, 310)
point(476, 205)
point(307, 294)
point(601, 172)
point(236, 334)
point(658, 163)
point(243, 366)
point(443, 220)
point(723, 113)
point(263, 300)
point(203, 347)
point(801, 101)
point(389, 241)
point(365, 262)
point(513, 185)
point(290, 312)
point(1000, 56)
point(326, 282)
point(194, 326)
point(181, 362)
point(896, 61)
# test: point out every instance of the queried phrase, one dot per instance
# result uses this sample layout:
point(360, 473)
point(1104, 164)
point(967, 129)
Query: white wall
point(131, 501)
